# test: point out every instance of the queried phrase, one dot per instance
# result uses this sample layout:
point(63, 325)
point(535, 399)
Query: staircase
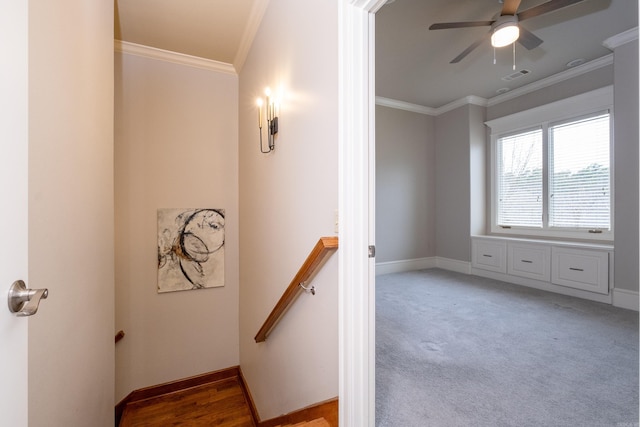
point(218, 399)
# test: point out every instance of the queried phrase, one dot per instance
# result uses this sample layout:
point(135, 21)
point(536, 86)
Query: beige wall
point(176, 146)
point(287, 201)
point(71, 350)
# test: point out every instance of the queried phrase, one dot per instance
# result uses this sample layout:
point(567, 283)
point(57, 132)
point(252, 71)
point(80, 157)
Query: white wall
point(287, 201)
point(71, 350)
point(176, 146)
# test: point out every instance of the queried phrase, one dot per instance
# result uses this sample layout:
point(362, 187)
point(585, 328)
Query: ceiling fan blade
point(447, 25)
point(469, 49)
point(510, 7)
point(547, 7)
point(528, 39)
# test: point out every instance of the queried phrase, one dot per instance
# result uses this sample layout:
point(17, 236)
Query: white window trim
point(566, 109)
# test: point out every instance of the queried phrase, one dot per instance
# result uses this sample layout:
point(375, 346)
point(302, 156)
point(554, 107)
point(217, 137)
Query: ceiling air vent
point(515, 75)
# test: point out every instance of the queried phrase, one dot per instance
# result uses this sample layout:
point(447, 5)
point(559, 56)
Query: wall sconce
point(271, 110)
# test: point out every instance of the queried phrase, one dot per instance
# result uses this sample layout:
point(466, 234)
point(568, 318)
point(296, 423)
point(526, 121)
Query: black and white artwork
point(190, 249)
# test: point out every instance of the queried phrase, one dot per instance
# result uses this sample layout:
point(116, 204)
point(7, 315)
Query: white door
point(13, 211)
point(56, 212)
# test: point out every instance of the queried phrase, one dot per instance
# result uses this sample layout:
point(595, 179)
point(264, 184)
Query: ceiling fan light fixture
point(505, 31)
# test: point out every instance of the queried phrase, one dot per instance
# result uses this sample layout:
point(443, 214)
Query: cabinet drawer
point(531, 261)
point(581, 269)
point(489, 255)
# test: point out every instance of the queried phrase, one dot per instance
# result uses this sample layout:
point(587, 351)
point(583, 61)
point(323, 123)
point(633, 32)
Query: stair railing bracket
point(311, 289)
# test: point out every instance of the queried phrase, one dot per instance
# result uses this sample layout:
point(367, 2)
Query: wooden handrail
point(324, 246)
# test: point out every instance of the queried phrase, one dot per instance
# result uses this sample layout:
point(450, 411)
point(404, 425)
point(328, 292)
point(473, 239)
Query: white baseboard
point(422, 264)
point(618, 297)
point(405, 265)
point(545, 286)
point(625, 299)
point(453, 265)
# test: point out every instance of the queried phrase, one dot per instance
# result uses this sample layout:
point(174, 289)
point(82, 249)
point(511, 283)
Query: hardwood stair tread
point(318, 422)
point(217, 398)
point(221, 403)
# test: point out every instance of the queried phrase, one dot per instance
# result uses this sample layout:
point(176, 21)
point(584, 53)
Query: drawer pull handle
point(488, 256)
point(527, 261)
point(576, 269)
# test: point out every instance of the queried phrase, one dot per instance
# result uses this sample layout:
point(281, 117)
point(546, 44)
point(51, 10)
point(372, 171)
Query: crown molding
point(406, 106)
point(370, 6)
point(173, 57)
point(255, 18)
point(476, 100)
point(467, 100)
point(421, 109)
point(551, 80)
point(620, 39)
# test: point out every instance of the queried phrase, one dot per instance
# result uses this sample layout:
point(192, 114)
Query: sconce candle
point(272, 121)
point(259, 103)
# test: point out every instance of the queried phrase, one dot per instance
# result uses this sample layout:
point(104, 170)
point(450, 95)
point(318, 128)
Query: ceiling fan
point(505, 30)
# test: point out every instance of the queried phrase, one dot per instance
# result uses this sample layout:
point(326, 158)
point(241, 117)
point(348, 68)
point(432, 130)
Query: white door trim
point(356, 213)
point(14, 178)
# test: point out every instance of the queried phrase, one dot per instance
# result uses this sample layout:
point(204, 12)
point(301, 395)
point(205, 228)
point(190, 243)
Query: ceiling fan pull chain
point(494, 56)
point(514, 56)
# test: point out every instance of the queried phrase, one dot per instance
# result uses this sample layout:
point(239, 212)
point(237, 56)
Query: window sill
point(606, 245)
point(556, 235)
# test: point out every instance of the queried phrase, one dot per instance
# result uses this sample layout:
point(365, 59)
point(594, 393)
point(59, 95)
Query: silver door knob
point(23, 301)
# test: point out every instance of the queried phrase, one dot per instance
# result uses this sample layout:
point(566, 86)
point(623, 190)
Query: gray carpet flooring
point(460, 350)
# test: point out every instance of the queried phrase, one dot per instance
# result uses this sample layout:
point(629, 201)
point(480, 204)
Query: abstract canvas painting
point(190, 249)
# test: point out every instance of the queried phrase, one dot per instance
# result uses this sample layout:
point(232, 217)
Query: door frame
point(14, 214)
point(357, 211)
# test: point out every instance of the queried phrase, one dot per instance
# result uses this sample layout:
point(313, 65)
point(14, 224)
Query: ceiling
point(219, 30)
point(412, 62)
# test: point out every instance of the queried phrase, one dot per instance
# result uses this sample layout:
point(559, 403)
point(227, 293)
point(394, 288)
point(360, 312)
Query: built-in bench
point(577, 269)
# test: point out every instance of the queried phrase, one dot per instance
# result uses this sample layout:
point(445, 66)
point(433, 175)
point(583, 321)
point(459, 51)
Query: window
point(520, 188)
point(554, 178)
point(579, 174)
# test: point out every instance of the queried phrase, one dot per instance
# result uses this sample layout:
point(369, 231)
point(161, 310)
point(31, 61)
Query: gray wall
point(477, 169)
point(626, 166)
point(460, 180)
point(584, 83)
point(405, 185)
point(452, 184)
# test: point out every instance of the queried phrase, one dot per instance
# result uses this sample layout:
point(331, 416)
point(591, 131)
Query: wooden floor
point(220, 404)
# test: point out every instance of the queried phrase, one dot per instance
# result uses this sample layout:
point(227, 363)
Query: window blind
point(520, 184)
point(579, 175)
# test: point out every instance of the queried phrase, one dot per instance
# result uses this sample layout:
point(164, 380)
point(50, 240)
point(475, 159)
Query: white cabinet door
point(529, 260)
point(489, 255)
point(581, 269)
